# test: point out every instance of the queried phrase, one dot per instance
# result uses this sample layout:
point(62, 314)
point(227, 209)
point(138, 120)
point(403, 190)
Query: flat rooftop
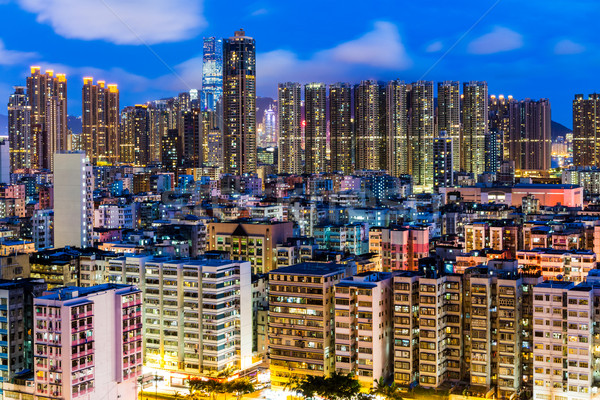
point(74, 292)
point(311, 268)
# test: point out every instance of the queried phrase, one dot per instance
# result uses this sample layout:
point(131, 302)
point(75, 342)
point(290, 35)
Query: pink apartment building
point(88, 342)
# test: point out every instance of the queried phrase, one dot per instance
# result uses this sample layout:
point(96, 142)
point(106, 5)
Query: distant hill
point(559, 130)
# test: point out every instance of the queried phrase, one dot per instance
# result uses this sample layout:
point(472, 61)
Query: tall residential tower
point(239, 104)
point(19, 130)
point(340, 127)
point(475, 126)
point(448, 119)
point(421, 134)
point(289, 130)
point(100, 121)
point(315, 133)
point(586, 130)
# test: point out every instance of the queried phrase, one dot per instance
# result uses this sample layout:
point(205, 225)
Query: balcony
point(82, 315)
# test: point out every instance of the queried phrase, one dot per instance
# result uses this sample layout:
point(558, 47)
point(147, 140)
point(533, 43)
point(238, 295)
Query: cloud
point(119, 21)
point(567, 46)
point(498, 40)
point(14, 57)
point(260, 11)
point(378, 49)
point(434, 47)
point(382, 47)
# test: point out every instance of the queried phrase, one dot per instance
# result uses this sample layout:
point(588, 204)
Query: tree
point(336, 386)
point(210, 387)
point(240, 387)
point(390, 392)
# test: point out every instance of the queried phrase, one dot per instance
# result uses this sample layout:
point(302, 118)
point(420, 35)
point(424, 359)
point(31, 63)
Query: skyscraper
point(135, 135)
point(448, 117)
point(170, 150)
point(211, 153)
point(191, 141)
point(421, 134)
point(19, 130)
point(340, 127)
point(100, 121)
point(270, 123)
point(492, 152)
point(315, 131)
point(289, 111)
point(47, 96)
point(239, 104)
point(530, 138)
point(499, 121)
point(370, 125)
point(397, 128)
point(475, 126)
point(212, 73)
point(73, 200)
point(586, 130)
point(443, 158)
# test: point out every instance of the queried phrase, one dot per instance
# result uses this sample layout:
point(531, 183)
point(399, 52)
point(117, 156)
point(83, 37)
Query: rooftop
point(73, 292)
point(556, 285)
point(311, 268)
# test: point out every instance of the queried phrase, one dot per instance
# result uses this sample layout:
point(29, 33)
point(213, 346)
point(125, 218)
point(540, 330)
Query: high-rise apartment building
point(364, 334)
point(211, 141)
point(73, 200)
point(289, 132)
point(198, 318)
point(88, 342)
point(239, 104)
point(499, 122)
point(464, 327)
point(397, 128)
point(212, 73)
point(586, 130)
point(135, 135)
point(190, 135)
point(421, 134)
point(19, 130)
point(448, 117)
point(564, 340)
point(170, 150)
point(16, 333)
point(100, 121)
point(340, 127)
point(493, 152)
point(315, 130)
point(47, 97)
point(370, 126)
point(158, 124)
point(530, 138)
point(443, 161)
point(475, 126)
point(301, 321)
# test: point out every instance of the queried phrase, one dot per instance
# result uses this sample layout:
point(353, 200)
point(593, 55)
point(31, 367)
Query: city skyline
point(378, 47)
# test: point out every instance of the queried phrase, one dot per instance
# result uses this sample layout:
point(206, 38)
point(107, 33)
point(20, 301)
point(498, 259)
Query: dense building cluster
point(382, 230)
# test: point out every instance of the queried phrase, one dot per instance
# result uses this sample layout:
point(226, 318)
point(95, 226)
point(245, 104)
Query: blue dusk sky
point(153, 48)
